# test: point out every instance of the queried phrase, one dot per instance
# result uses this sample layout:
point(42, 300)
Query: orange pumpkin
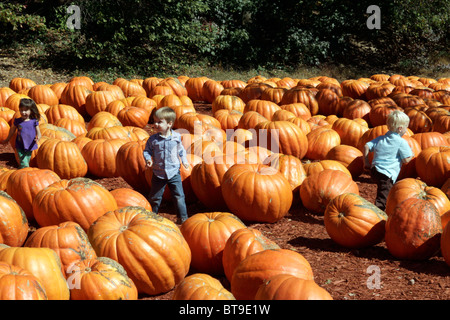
point(413, 230)
point(433, 165)
point(97, 101)
point(263, 107)
point(130, 164)
point(100, 278)
point(19, 83)
point(281, 137)
point(75, 95)
point(227, 102)
point(126, 197)
point(62, 157)
point(206, 181)
point(289, 287)
point(100, 156)
point(259, 267)
point(111, 132)
point(303, 95)
point(44, 264)
point(320, 141)
point(318, 189)
point(415, 188)
point(74, 126)
point(17, 283)
point(80, 200)
point(206, 233)
point(256, 192)
point(445, 243)
point(354, 222)
point(14, 226)
point(67, 239)
point(241, 244)
point(350, 157)
point(201, 286)
point(24, 184)
point(134, 116)
point(43, 94)
point(151, 248)
point(194, 87)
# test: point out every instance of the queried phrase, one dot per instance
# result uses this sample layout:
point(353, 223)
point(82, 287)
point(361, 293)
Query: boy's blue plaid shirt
point(166, 153)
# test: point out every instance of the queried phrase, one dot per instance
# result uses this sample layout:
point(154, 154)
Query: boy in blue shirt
point(162, 153)
point(390, 151)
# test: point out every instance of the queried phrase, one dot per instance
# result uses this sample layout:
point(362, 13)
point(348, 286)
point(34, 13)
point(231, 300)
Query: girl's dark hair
point(30, 104)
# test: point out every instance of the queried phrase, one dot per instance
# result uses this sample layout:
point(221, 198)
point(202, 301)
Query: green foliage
point(162, 37)
point(14, 24)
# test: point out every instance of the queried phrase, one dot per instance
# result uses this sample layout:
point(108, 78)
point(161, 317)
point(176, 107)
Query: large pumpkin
point(351, 157)
point(241, 244)
point(318, 189)
point(433, 165)
point(150, 248)
point(290, 167)
point(17, 283)
point(281, 137)
point(14, 226)
point(67, 239)
point(445, 244)
point(289, 287)
point(24, 184)
point(206, 233)
point(101, 278)
point(413, 230)
point(80, 200)
point(415, 188)
point(100, 156)
point(259, 267)
point(62, 157)
point(126, 197)
point(43, 94)
point(201, 286)
point(354, 222)
point(320, 141)
point(44, 264)
point(256, 192)
point(130, 164)
point(206, 180)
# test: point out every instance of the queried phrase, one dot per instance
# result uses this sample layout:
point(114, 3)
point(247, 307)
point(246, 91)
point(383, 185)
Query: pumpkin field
point(279, 203)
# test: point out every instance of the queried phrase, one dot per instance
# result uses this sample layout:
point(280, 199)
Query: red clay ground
point(342, 272)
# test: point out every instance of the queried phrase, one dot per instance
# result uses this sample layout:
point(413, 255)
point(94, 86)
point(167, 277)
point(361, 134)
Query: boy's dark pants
point(176, 188)
point(384, 185)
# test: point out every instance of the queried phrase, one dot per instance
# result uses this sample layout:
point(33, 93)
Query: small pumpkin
point(100, 278)
point(201, 286)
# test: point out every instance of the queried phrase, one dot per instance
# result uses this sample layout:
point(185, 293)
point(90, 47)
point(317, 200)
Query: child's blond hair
point(396, 119)
point(166, 113)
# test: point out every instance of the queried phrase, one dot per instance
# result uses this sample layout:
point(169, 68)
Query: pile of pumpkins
point(268, 145)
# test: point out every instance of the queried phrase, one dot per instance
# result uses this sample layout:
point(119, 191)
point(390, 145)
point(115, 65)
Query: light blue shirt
point(388, 152)
point(166, 153)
